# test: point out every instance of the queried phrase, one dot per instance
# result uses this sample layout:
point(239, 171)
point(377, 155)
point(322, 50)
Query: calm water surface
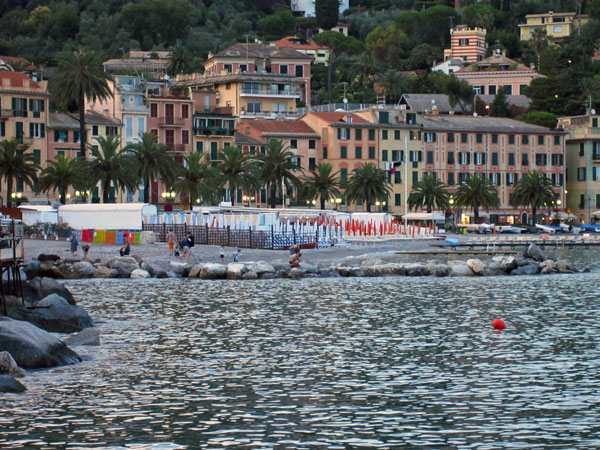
point(325, 363)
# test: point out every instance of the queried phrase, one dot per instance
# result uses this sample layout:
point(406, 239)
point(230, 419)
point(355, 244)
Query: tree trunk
point(82, 133)
point(232, 194)
point(63, 197)
point(476, 215)
point(533, 213)
point(273, 193)
point(322, 202)
point(105, 190)
point(9, 184)
point(147, 185)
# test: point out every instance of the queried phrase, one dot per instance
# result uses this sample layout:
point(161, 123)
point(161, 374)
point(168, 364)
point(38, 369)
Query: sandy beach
point(351, 253)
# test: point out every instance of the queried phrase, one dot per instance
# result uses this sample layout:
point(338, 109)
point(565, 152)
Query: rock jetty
point(531, 261)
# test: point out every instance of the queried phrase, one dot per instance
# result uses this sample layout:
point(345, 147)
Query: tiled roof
point(71, 121)
point(259, 51)
point(338, 117)
point(496, 59)
point(298, 43)
point(12, 59)
point(483, 124)
point(242, 139)
point(521, 101)
point(17, 79)
point(244, 76)
point(279, 126)
point(420, 103)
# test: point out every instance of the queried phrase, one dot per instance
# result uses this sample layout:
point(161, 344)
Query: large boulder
point(534, 252)
point(213, 271)
point(308, 268)
point(563, 266)
point(181, 269)
point(261, 268)
point(83, 269)
point(9, 366)
point(438, 270)
point(195, 271)
point(296, 273)
point(527, 269)
point(124, 265)
point(508, 263)
point(252, 275)
point(31, 347)
point(385, 270)
point(87, 336)
point(234, 271)
point(50, 286)
point(147, 237)
point(9, 385)
point(54, 313)
point(415, 270)
point(155, 270)
point(50, 270)
point(42, 257)
point(476, 265)
point(32, 269)
point(105, 272)
point(140, 273)
point(547, 267)
point(459, 270)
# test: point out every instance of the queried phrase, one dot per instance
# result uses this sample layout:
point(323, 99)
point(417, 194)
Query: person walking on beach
point(86, 249)
point(171, 242)
point(236, 255)
point(185, 248)
point(126, 247)
point(191, 242)
point(222, 254)
point(74, 244)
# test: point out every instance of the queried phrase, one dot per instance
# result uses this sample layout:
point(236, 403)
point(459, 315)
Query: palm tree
point(15, 162)
point(60, 174)
point(178, 62)
point(368, 184)
point(80, 76)
point(111, 165)
point(323, 183)
point(477, 192)
point(429, 192)
point(152, 160)
point(197, 180)
point(393, 84)
point(534, 190)
point(236, 170)
point(277, 166)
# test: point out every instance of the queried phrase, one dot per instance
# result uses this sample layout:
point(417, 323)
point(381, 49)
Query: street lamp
point(168, 196)
point(16, 197)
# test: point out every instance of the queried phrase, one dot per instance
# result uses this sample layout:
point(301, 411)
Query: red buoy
point(499, 324)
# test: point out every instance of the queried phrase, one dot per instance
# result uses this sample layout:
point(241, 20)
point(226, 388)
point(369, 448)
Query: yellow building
point(555, 25)
point(24, 116)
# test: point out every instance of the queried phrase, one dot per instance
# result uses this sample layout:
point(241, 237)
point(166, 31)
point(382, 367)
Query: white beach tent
point(436, 216)
point(106, 216)
point(32, 214)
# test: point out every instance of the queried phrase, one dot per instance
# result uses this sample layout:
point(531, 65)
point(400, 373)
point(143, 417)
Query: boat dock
point(457, 252)
point(493, 242)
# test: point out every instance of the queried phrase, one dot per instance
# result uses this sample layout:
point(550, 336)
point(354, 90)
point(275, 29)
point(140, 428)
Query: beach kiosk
point(106, 216)
point(32, 214)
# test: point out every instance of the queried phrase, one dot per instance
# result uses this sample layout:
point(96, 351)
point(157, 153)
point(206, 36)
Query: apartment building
point(320, 54)
point(214, 127)
point(556, 26)
point(583, 166)
point(466, 44)
point(24, 116)
point(502, 150)
point(490, 74)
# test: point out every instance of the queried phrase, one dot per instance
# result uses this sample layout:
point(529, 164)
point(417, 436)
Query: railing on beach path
point(205, 235)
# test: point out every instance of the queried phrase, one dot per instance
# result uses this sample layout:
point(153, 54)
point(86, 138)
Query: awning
point(481, 214)
point(436, 215)
point(563, 215)
point(596, 214)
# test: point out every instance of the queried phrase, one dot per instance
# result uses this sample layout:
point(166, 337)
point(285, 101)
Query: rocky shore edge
point(531, 261)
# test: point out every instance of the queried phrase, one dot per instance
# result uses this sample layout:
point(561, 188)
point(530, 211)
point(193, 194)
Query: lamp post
point(168, 196)
point(451, 203)
point(16, 197)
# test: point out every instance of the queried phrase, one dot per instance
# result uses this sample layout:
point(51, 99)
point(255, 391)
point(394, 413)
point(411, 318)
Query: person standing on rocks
point(74, 244)
point(125, 248)
point(171, 242)
point(191, 243)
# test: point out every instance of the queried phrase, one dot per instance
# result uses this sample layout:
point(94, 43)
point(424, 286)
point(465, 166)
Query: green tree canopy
point(388, 45)
point(323, 183)
point(60, 174)
point(534, 190)
point(16, 162)
point(542, 118)
point(197, 180)
point(458, 91)
point(499, 107)
point(367, 185)
point(236, 170)
point(429, 192)
point(477, 192)
point(280, 24)
point(327, 12)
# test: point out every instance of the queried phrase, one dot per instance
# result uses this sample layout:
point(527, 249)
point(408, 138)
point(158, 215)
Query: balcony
point(170, 122)
point(269, 92)
point(6, 113)
point(179, 147)
point(136, 109)
point(214, 131)
point(270, 114)
point(596, 157)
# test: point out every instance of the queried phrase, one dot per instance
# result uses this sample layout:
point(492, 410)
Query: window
point(228, 68)
point(525, 139)
point(129, 127)
point(396, 135)
point(36, 130)
point(494, 138)
point(397, 200)
point(214, 152)
point(324, 152)
point(511, 159)
point(450, 178)
point(507, 89)
point(430, 137)
point(185, 136)
point(463, 138)
point(450, 157)
point(581, 149)
point(371, 152)
point(358, 134)
point(299, 71)
point(511, 139)
point(283, 69)
point(293, 143)
point(358, 152)
point(19, 107)
point(95, 130)
point(384, 155)
point(582, 201)
point(479, 138)
point(312, 144)
point(185, 111)
point(397, 177)
point(36, 106)
point(343, 152)
point(312, 163)
point(494, 159)
point(510, 179)
point(153, 110)
point(541, 159)
point(556, 140)
point(524, 159)
point(2, 129)
point(557, 29)
point(112, 131)
point(384, 135)
point(595, 122)
point(541, 139)
point(200, 146)
point(462, 42)
point(254, 107)
point(464, 158)
point(343, 175)
point(37, 157)
point(557, 159)
point(371, 134)
point(492, 90)
point(450, 137)
point(343, 133)
point(76, 136)
point(595, 150)
point(581, 174)
point(384, 117)
point(415, 178)
point(396, 155)
point(429, 157)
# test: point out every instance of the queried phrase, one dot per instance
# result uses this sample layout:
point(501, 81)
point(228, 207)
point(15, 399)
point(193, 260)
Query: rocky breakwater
point(26, 333)
point(532, 261)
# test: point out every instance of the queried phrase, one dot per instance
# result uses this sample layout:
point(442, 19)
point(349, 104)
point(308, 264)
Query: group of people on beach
point(123, 251)
point(185, 248)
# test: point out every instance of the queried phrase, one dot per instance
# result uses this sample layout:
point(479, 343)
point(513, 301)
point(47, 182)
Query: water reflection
point(336, 363)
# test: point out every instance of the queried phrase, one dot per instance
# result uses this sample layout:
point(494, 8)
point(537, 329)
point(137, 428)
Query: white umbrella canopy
point(563, 215)
point(596, 214)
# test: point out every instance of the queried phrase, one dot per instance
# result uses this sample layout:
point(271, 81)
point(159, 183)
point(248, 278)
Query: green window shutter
point(450, 157)
point(384, 135)
point(30, 104)
point(339, 133)
point(14, 103)
point(479, 138)
point(324, 152)
point(343, 152)
point(19, 184)
point(556, 140)
point(420, 156)
point(344, 175)
point(595, 122)
point(371, 152)
point(434, 137)
point(384, 155)
point(397, 135)
point(42, 105)
point(450, 137)
point(451, 178)
point(541, 139)
point(358, 134)
point(415, 178)
point(494, 138)
point(42, 130)
point(468, 157)
point(30, 129)
point(411, 135)
point(397, 177)
point(2, 129)
point(511, 159)
point(525, 139)
point(371, 134)
point(463, 137)
point(494, 159)
point(199, 147)
point(397, 200)
point(429, 157)
point(511, 139)
point(37, 156)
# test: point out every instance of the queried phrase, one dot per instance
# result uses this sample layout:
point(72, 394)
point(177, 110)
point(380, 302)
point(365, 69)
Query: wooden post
point(228, 235)
point(272, 238)
point(250, 233)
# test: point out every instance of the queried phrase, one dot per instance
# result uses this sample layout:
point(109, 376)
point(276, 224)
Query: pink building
point(466, 44)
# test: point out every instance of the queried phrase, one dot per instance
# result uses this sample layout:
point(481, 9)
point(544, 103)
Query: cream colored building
point(555, 25)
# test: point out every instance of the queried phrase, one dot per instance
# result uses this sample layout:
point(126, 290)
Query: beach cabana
point(106, 216)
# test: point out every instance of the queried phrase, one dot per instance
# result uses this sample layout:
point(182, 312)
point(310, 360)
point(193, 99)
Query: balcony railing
point(171, 122)
point(4, 113)
point(269, 91)
point(596, 156)
point(214, 131)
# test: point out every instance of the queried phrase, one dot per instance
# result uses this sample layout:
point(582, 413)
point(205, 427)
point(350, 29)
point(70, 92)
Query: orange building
point(466, 44)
